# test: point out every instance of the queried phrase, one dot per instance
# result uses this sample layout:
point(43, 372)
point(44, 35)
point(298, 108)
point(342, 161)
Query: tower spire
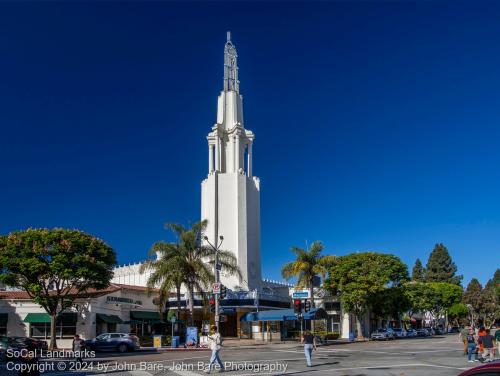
point(231, 82)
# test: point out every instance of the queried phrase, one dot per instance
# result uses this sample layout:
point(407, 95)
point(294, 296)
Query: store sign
point(301, 294)
point(120, 300)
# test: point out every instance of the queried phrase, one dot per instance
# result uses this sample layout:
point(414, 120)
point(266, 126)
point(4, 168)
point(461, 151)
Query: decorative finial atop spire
point(231, 82)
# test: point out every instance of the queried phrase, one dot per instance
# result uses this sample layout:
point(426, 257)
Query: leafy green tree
point(490, 311)
point(54, 266)
point(434, 297)
point(446, 295)
point(189, 262)
point(457, 313)
point(473, 298)
point(359, 276)
point(390, 302)
point(440, 267)
point(417, 273)
point(496, 283)
point(307, 265)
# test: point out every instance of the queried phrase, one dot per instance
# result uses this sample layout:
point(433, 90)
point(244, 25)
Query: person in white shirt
point(215, 344)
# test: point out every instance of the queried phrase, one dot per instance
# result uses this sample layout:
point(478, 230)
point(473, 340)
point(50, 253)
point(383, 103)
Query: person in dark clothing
point(309, 342)
point(488, 342)
point(471, 346)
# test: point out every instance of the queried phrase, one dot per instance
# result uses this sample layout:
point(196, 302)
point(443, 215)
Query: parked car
point(120, 342)
point(400, 332)
point(411, 333)
point(422, 333)
point(454, 329)
point(382, 335)
point(4, 346)
point(489, 369)
point(30, 344)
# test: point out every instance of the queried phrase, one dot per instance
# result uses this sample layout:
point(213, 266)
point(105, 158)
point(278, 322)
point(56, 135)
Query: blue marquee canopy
point(283, 315)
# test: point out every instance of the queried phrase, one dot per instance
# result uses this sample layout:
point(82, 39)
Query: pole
point(216, 295)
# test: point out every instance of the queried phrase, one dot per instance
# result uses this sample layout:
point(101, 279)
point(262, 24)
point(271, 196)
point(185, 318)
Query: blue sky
point(377, 124)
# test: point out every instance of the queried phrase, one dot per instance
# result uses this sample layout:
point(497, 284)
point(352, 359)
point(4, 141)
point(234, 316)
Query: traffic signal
point(297, 306)
point(307, 306)
point(223, 291)
point(211, 303)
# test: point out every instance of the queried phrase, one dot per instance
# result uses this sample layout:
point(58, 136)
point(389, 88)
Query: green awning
point(108, 319)
point(4, 317)
point(145, 316)
point(37, 318)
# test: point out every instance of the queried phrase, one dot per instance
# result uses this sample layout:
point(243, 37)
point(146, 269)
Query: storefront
point(118, 308)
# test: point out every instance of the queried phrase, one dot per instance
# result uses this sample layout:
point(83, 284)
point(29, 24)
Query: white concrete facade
point(230, 195)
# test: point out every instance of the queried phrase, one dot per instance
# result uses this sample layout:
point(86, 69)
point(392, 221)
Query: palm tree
point(308, 264)
point(187, 263)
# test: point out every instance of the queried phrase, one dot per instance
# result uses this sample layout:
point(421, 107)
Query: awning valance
point(108, 319)
point(37, 318)
point(145, 316)
point(272, 315)
point(284, 315)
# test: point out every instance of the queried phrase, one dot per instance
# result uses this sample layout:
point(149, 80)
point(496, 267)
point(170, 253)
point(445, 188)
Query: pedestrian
point(78, 347)
point(480, 334)
point(471, 346)
point(463, 337)
point(215, 344)
point(488, 342)
point(309, 342)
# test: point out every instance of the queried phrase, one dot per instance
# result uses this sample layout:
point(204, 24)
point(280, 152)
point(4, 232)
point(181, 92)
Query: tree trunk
point(53, 319)
point(191, 306)
point(358, 327)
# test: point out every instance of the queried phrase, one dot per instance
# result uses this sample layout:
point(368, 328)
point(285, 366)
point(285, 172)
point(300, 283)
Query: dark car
point(489, 369)
point(30, 344)
point(422, 333)
point(120, 342)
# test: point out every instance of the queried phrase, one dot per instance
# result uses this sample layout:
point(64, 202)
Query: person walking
point(488, 342)
point(215, 344)
point(471, 346)
point(462, 336)
point(78, 347)
point(480, 334)
point(309, 342)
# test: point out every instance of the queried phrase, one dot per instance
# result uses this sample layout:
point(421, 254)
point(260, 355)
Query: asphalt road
point(436, 356)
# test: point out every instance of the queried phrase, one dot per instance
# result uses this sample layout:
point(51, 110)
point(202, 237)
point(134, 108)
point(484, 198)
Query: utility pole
point(215, 248)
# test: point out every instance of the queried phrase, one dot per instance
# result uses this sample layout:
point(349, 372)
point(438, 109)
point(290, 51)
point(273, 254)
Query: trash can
point(175, 342)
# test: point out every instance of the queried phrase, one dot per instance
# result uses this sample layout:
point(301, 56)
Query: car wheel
point(122, 348)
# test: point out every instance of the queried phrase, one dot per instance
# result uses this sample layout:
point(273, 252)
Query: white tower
point(230, 195)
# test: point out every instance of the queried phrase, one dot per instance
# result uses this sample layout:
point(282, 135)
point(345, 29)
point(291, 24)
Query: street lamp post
point(216, 272)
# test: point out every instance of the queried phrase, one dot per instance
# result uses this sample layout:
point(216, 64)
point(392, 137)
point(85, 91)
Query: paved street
point(439, 356)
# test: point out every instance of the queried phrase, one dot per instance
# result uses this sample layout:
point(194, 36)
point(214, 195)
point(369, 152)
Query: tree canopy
point(440, 267)
point(54, 266)
point(358, 276)
point(417, 273)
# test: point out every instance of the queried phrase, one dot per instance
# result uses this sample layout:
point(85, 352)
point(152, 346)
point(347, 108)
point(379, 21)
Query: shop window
point(332, 306)
point(65, 327)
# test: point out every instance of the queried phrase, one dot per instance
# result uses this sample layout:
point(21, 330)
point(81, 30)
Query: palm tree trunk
point(191, 305)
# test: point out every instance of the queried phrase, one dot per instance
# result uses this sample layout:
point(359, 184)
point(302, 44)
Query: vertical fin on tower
point(231, 82)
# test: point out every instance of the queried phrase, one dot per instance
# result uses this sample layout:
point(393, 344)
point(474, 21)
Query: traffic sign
point(216, 288)
point(227, 310)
